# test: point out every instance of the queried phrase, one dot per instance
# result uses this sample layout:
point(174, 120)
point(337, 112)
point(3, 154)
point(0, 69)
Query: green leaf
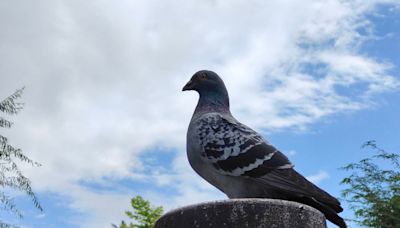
point(373, 192)
point(9, 106)
point(10, 175)
point(143, 213)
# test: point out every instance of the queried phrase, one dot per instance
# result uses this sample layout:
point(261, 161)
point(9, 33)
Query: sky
point(105, 116)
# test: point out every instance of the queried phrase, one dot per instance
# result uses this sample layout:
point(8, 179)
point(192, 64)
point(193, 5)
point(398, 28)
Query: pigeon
point(239, 161)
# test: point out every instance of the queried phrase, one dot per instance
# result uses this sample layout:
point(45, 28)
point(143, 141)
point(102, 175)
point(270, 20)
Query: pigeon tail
point(329, 213)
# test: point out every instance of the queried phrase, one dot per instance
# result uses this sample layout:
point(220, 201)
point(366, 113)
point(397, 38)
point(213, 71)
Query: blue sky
point(105, 116)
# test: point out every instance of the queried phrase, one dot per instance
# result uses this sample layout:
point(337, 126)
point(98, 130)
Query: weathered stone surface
point(242, 213)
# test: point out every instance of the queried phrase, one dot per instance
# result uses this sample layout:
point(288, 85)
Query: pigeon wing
point(234, 149)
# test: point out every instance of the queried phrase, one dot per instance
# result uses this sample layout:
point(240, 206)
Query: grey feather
point(233, 148)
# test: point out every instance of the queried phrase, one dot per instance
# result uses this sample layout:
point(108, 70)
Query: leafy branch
point(143, 213)
point(373, 191)
point(10, 174)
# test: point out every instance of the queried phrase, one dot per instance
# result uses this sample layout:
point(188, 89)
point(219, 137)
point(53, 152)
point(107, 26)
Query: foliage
point(11, 176)
point(373, 191)
point(143, 213)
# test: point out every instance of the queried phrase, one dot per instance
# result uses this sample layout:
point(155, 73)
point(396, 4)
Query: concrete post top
point(249, 212)
point(245, 201)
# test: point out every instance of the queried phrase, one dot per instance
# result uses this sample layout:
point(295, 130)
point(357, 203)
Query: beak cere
point(188, 86)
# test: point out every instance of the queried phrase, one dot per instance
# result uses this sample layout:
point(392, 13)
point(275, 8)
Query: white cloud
point(318, 177)
point(291, 153)
point(103, 81)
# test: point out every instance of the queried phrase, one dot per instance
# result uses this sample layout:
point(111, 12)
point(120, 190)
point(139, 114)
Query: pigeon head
point(210, 86)
point(205, 81)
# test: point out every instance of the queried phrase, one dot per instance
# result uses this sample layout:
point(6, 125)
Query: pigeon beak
point(189, 86)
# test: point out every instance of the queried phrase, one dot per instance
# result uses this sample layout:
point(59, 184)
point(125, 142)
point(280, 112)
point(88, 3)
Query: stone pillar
point(242, 213)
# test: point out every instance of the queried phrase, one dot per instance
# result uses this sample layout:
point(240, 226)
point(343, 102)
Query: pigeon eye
point(203, 76)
